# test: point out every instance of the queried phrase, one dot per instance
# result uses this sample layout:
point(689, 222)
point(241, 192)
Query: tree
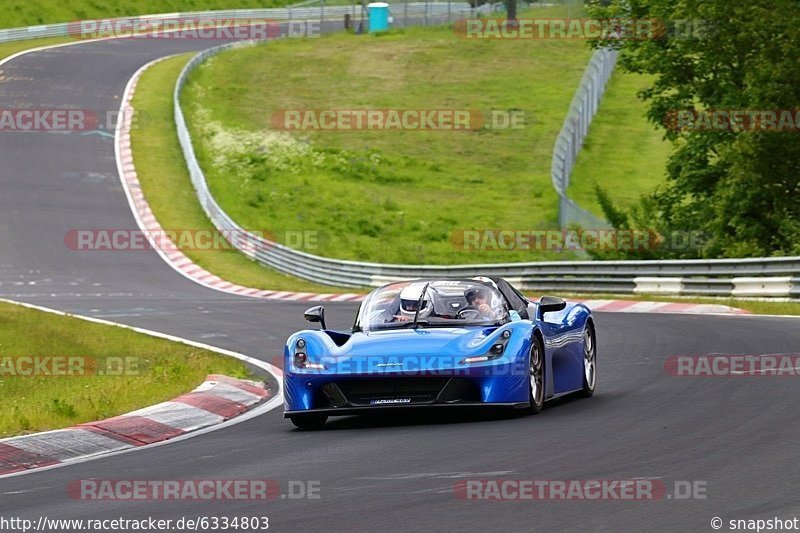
point(739, 186)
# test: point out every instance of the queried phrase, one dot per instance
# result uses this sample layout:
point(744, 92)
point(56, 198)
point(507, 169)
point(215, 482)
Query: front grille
point(370, 391)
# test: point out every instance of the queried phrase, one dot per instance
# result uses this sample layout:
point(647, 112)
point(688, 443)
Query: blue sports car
point(440, 342)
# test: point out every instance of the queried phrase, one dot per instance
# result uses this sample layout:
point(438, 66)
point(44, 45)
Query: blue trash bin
point(378, 16)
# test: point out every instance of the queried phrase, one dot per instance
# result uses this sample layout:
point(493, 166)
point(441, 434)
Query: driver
point(479, 297)
point(409, 300)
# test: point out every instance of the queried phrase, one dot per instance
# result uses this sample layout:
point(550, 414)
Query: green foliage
point(741, 189)
point(617, 218)
point(62, 408)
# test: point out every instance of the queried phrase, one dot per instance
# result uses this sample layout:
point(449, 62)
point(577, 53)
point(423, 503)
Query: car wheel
point(536, 382)
point(589, 361)
point(310, 421)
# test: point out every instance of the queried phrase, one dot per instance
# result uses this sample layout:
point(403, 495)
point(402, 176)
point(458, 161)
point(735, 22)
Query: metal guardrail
point(701, 277)
point(570, 140)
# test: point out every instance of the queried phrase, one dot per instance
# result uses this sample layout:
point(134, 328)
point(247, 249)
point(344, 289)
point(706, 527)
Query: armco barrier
point(766, 287)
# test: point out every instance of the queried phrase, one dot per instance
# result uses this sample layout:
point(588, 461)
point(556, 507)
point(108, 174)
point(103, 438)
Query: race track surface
point(738, 435)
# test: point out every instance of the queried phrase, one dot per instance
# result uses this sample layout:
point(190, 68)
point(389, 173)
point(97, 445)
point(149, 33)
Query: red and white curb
point(218, 399)
point(628, 306)
point(178, 260)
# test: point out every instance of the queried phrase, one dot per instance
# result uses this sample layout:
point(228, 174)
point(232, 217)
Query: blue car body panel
point(562, 333)
point(403, 367)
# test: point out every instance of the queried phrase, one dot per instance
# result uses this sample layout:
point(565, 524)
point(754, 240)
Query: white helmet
point(410, 298)
point(484, 279)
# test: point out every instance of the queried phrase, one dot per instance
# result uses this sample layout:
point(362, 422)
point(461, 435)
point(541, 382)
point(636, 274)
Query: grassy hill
point(389, 196)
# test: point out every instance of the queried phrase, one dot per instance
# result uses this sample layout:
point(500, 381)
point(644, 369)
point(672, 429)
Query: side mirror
point(316, 314)
point(550, 304)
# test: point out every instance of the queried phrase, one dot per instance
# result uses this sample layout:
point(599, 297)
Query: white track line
point(51, 46)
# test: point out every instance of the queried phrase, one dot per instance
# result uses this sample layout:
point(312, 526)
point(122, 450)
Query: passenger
point(479, 298)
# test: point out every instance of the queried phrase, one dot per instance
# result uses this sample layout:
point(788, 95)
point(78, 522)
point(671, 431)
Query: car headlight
point(301, 359)
point(497, 349)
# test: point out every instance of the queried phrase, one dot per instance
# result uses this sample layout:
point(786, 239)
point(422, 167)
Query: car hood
point(412, 342)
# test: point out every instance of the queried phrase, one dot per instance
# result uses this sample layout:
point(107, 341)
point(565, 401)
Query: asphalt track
point(739, 436)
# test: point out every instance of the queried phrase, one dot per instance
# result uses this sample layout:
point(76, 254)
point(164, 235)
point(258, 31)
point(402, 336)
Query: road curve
point(737, 435)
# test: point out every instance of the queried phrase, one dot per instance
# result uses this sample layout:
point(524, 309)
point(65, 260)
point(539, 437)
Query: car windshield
point(432, 303)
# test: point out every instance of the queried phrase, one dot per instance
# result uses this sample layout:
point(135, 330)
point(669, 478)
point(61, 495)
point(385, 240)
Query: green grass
point(624, 154)
point(394, 197)
point(764, 307)
point(166, 184)
point(7, 49)
point(17, 13)
point(160, 370)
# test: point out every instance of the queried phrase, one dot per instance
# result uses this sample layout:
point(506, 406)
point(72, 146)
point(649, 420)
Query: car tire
point(536, 375)
point(589, 361)
point(309, 421)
